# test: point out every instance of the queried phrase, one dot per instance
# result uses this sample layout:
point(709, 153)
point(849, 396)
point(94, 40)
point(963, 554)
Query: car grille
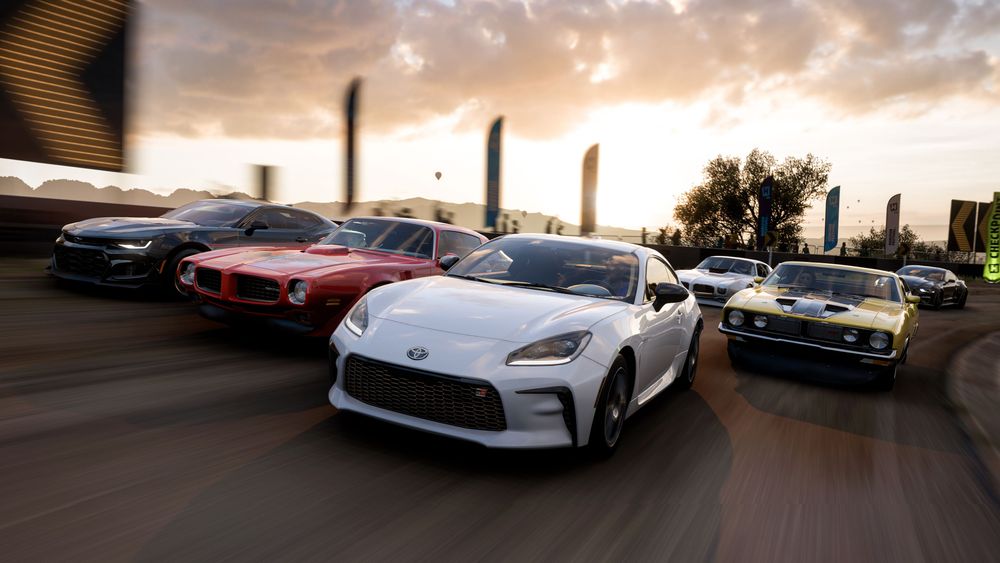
point(81, 261)
point(785, 326)
point(702, 288)
point(209, 280)
point(824, 332)
point(441, 399)
point(257, 289)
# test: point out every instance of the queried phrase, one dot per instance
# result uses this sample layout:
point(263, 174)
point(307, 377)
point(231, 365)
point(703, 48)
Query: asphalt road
point(132, 429)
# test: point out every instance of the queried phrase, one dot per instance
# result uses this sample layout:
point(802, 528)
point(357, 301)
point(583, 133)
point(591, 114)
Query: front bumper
point(105, 265)
point(805, 359)
point(534, 398)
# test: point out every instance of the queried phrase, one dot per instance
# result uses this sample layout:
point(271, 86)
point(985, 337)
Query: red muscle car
point(309, 291)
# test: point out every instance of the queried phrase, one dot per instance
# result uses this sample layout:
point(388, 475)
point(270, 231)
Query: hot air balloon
point(437, 175)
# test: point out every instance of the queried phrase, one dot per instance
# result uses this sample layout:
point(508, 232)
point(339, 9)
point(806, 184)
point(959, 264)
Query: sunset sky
point(902, 96)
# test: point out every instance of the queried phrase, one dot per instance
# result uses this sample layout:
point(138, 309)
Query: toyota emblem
point(417, 353)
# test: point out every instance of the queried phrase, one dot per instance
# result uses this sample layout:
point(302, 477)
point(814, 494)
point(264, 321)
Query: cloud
point(278, 69)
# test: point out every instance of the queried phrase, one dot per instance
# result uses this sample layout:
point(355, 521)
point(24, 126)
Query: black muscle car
point(136, 252)
point(934, 286)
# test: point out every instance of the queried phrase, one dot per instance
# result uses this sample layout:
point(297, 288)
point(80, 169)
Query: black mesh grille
point(784, 326)
point(257, 289)
point(209, 280)
point(824, 331)
point(458, 403)
point(702, 288)
point(81, 261)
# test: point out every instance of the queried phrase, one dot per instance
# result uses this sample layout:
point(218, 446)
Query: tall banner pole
point(493, 147)
point(588, 203)
point(350, 144)
point(892, 225)
point(991, 268)
point(765, 195)
point(832, 219)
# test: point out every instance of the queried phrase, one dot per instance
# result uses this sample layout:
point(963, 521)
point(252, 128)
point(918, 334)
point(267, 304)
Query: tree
point(872, 243)
point(725, 203)
point(675, 238)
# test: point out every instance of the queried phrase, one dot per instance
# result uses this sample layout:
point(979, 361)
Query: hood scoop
point(328, 250)
point(810, 307)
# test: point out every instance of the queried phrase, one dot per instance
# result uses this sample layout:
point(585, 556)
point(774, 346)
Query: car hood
point(869, 313)
point(486, 310)
point(914, 281)
point(315, 261)
point(710, 278)
point(127, 227)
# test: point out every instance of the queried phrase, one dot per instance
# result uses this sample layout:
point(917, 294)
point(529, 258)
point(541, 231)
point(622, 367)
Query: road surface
point(132, 429)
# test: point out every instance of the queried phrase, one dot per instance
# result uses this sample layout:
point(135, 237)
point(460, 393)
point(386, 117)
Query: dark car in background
point(934, 286)
point(132, 252)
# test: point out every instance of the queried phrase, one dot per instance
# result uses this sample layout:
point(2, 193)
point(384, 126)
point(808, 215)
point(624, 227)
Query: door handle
point(301, 239)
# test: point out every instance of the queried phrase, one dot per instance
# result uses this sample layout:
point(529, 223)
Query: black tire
point(886, 379)
point(612, 407)
point(937, 301)
point(961, 302)
point(690, 370)
point(172, 287)
point(733, 350)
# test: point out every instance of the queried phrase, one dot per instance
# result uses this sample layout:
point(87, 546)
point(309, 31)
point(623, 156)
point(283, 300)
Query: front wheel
point(937, 300)
point(961, 302)
point(886, 379)
point(609, 417)
point(686, 379)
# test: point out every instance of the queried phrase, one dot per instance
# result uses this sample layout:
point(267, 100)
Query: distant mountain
point(465, 214)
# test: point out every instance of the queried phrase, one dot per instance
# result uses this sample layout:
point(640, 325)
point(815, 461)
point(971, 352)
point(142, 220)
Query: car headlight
point(760, 321)
point(357, 320)
point(187, 273)
point(850, 335)
point(925, 290)
point(297, 292)
point(879, 340)
point(134, 244)
point(735, 318)
point(561, 349)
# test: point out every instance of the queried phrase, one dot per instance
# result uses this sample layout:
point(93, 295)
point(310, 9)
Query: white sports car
point(718, 278)
point(530, 341)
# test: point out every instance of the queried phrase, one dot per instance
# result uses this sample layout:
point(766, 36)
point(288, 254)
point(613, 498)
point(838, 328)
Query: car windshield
point(565, 266)
point(834, 280)
point(926, 273)
point(210, 213)
point(386, 235)
point(722, 264)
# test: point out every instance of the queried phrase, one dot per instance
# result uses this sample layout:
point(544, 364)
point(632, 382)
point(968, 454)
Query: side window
point(456, 243)
point(303, 220)
point(762, 270)
point(656, 273)
point(277, 218)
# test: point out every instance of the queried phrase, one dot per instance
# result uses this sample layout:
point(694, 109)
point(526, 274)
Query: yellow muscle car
point(825, 321)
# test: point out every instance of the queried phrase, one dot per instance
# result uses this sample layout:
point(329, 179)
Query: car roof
point(600, 243)
point(845, 267)
point(248, 203)
point(436, 225)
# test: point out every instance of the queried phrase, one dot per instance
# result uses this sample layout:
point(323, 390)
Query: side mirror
point(911, 298)
point(256, 226)
point(758, 280)
point(447, 261)
point(669, 293)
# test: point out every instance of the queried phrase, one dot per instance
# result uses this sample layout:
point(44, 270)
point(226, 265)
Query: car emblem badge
point(417, 353)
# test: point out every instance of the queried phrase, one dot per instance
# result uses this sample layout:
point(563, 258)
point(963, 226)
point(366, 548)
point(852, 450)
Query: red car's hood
point(314, 261)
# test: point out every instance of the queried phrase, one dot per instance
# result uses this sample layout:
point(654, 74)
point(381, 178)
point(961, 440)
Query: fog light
point(736, 318)
point(760, 321)
point(879, 340)
point(850, 335)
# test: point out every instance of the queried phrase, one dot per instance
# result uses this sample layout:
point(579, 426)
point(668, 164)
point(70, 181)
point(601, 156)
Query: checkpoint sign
point(62, 81)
